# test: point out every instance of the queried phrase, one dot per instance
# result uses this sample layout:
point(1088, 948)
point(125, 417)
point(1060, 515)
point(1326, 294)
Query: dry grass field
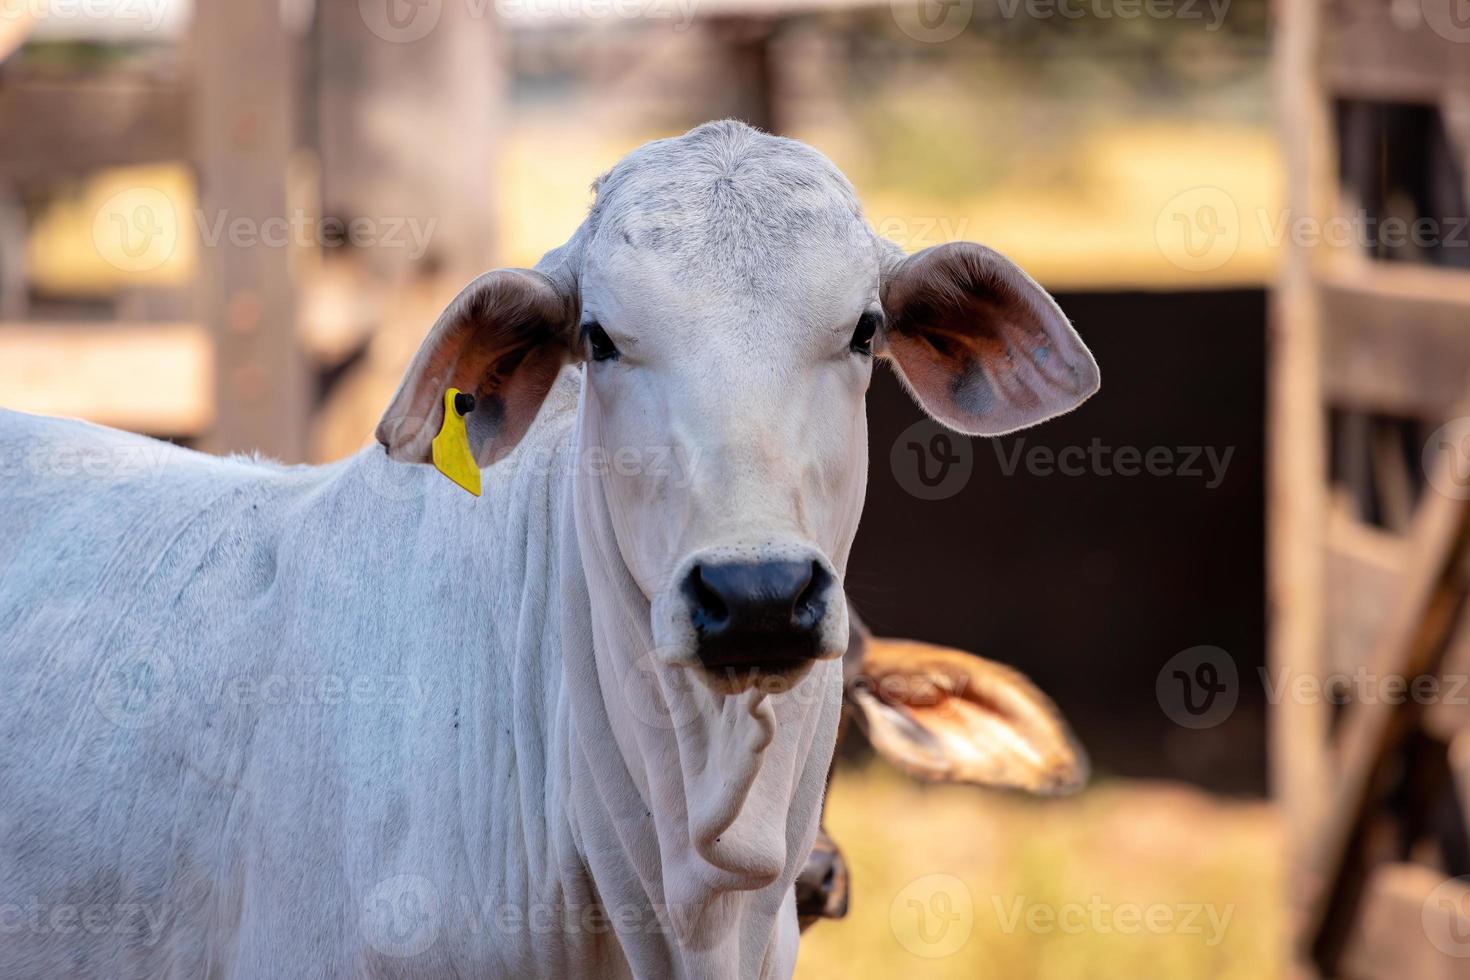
point(1129, 881)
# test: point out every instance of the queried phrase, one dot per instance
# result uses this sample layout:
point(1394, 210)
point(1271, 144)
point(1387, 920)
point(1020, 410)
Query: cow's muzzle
point(768, 616)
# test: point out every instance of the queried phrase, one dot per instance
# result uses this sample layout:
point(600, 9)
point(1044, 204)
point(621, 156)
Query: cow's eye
point(862, 334)
point(603, 349)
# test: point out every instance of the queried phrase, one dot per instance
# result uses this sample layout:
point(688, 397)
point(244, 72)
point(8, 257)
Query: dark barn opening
point(1090, 583)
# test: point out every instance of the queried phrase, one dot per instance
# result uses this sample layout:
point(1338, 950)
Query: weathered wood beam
point(1431, 596)
point(70, 129)
point(246, 64)
point(1396, 339)
point(1383, 52)
point(1414, 922)
point(1363, 568)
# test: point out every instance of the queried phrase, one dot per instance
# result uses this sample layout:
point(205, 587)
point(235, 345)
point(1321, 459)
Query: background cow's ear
point(981, 346)
point(503, 339)
point(949, 715)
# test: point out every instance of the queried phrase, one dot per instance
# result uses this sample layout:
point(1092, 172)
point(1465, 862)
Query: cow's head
point(725, 301)
point(941, 714)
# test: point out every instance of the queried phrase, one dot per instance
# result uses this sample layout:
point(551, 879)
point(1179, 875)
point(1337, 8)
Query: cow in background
point(942, 715)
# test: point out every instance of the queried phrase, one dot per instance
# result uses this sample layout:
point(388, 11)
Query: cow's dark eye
point(862, 334)
point(603, 349)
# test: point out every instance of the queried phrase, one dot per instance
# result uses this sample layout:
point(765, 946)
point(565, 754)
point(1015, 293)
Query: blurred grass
point(1159, 849)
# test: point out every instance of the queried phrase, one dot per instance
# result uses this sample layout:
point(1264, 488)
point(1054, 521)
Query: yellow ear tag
point(452, 455)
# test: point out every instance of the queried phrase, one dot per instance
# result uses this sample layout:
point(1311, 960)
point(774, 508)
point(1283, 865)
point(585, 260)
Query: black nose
point(763, 615)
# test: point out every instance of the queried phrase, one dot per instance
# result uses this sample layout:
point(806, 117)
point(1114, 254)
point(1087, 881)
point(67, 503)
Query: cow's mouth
point(768, 674)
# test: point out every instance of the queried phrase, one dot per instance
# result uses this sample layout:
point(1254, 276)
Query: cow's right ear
point(503, 339)
point(946, 714)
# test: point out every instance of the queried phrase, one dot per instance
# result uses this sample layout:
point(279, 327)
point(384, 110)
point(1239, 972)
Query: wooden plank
point(245, 62)
point(1363, 567)
point(1387, 52)
point(1430, 596)
point(1414, 923)
point(1297, 463)
point(1447, 716)
point(155, 378)
point(77, 127)
point(1396, 339)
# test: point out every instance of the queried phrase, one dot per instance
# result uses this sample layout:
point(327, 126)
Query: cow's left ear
point(980, 345)
point(503, 339)
point(945, 714)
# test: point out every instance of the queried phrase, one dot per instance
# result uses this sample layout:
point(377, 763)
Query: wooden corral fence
point(294, 111)
point(1370, 487)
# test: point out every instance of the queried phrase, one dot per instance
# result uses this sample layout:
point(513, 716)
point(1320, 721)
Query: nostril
point(809, 606)
point(710, 609)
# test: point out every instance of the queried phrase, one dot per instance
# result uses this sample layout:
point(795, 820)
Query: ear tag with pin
point(451, 447)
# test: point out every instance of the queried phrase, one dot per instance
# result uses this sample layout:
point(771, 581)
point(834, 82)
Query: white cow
point(267, 721)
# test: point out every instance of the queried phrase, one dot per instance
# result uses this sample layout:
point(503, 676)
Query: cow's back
point(248, 707)
point(114, 803)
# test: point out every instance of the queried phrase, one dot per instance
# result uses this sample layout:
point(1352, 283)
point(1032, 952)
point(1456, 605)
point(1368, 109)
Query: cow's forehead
point(730, 207)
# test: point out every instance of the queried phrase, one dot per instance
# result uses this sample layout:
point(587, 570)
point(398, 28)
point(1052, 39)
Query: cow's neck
point(698, 807)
